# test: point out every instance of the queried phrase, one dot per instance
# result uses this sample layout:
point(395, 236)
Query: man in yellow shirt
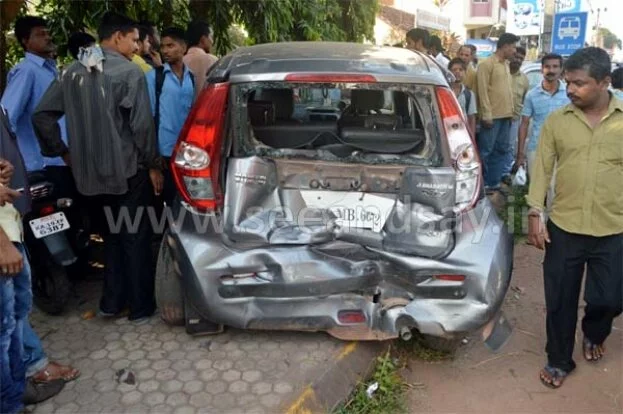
point(495, 98)
point(585, 228)
point(145, 48)
point(521, 85)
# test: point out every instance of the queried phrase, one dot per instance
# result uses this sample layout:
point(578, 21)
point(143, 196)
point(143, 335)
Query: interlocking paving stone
point(237, 371)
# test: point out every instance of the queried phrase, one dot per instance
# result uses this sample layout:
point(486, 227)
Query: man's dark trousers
point(563, 269)
point(129, 277)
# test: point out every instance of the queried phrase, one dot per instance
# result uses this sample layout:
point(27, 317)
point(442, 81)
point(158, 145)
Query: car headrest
point(365, 100)
point(282, 99)
point(401, 103)
point(261, 112)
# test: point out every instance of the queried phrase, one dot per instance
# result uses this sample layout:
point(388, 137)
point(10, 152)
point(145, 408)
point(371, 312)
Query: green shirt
point(495, 94)
point(589, 174)
point(470, 79)
point(521, 86)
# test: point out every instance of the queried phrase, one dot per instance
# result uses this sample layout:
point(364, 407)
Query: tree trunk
point(347, 22)
point(166, 17)
point(199, 9)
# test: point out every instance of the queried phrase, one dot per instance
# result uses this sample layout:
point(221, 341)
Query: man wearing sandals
point(585, 227)
point(34, 377)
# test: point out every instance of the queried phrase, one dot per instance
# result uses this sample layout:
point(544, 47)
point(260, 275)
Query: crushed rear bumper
point(307, 287)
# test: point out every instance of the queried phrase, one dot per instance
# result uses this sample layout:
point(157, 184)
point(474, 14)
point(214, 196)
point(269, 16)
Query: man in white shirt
point(435, 49)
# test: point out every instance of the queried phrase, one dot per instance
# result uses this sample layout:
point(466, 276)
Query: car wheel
point(449, 345)
point(169, 296)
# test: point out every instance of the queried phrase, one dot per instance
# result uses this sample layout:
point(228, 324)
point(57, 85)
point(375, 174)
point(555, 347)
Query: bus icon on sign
point(569, 27)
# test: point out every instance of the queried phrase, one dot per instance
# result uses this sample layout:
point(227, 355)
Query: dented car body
point(333, 187)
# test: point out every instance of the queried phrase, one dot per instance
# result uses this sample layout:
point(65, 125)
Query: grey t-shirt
point(462, 98)
point(9, 151)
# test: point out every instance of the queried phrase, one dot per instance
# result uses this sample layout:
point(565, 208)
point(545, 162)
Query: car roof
point(530, 65)
point(273, 61)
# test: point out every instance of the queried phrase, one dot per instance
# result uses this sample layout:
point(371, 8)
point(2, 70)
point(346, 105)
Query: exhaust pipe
point(405, 333)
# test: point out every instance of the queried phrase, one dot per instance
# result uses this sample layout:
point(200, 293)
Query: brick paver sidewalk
point(157, 368)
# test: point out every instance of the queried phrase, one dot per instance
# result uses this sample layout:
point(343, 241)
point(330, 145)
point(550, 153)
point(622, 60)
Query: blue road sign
point(569, 32)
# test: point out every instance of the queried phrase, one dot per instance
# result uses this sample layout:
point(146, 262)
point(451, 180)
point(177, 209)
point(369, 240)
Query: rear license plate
point(355, 210)
point(48, 225)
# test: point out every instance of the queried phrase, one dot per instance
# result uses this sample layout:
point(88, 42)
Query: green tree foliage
point(68, 16)
point(610, 40)
point(264, 20)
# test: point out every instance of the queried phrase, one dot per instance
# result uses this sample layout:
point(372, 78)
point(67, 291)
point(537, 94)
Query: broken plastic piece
point(372, 389)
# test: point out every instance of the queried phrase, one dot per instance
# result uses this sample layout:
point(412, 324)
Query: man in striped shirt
point(113, 155)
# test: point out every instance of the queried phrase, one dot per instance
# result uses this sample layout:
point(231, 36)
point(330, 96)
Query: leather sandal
point(55, 371)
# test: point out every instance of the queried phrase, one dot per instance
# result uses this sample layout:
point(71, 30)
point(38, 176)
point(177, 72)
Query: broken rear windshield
point(379, 123)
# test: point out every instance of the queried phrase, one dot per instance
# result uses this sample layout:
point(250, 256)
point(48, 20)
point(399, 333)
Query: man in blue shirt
point(541, 101)
point(175, 98)
point(617, 83)
point(26, 84)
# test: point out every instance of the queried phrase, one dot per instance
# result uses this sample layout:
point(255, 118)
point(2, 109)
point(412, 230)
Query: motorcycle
point(57, 240)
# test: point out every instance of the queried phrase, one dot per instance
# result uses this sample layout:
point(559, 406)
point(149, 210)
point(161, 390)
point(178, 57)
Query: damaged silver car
point(331, 187)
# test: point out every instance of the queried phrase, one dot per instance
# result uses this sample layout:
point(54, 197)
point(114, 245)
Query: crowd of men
point(503, 113)
point(102, 130)
point(569, 133)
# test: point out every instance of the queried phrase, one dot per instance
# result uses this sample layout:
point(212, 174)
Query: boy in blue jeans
point(15, 284)
point(15, 304)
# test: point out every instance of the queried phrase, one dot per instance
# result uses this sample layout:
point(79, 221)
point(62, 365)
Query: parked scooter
point(57, 239)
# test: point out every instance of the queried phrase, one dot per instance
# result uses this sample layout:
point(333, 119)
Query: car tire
point(168, 289)
point(449, 345)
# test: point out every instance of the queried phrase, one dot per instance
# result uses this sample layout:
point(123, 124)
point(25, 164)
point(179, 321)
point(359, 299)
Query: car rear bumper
point(310, 287)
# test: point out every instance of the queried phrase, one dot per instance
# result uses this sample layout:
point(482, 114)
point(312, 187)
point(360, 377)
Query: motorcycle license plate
point(45, 226)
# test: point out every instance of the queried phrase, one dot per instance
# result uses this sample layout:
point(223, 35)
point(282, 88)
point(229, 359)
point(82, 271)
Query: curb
point(335, 380)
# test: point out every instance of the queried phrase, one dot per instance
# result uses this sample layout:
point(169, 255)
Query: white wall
point(455, 9)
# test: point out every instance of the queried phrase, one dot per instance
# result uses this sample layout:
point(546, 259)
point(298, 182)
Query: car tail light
point(196, 159)
point(462, 150)
point(351, 316)
point(329, 78)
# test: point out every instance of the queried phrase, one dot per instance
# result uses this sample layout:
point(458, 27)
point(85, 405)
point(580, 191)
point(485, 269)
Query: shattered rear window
point(359, 123)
